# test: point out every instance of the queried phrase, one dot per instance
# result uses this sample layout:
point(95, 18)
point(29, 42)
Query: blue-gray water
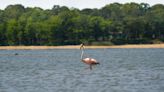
point(121, 70)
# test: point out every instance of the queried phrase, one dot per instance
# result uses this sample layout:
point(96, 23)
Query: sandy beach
point(78, 46)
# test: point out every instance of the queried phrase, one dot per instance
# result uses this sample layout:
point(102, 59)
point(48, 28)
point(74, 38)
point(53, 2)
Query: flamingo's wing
point(90, 60)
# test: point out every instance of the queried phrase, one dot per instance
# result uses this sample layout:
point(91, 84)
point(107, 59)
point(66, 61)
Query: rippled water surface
point(120, 70)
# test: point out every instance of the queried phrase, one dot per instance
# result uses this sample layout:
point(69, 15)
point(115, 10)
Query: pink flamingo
point(89, 61)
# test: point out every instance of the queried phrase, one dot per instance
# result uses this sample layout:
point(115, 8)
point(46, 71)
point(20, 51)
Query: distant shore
point(78, 46)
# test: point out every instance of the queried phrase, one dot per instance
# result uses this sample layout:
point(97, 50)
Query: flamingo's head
point(81, 46)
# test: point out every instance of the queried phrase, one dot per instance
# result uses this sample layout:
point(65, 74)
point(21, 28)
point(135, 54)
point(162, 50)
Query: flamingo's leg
point(90, 67)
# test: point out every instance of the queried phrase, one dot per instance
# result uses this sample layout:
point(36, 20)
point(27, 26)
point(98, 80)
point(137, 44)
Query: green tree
point(112, 11)
point(13, 11)
point(12, 32)
point(115, 22)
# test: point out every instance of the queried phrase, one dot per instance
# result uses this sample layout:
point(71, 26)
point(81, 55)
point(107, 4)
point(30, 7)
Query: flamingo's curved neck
point(82, 53)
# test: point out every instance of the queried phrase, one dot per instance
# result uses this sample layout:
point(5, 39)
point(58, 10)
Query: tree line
point(115, 23)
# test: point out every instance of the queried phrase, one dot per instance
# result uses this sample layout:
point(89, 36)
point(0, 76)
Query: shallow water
point(120, 70)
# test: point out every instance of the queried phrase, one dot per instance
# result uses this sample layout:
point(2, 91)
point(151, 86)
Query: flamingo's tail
point(96, 63)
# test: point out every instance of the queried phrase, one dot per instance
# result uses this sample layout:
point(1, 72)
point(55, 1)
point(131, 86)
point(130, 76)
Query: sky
point(80, 4)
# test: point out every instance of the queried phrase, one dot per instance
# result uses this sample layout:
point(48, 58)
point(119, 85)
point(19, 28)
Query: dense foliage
point(129, 23)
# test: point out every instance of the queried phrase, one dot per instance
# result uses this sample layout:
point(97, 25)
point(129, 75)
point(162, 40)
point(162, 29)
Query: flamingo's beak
point(81, 46)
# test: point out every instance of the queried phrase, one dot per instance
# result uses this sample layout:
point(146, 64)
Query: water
point(120, 70)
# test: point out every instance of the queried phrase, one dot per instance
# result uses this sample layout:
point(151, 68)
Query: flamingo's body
point(89, 61)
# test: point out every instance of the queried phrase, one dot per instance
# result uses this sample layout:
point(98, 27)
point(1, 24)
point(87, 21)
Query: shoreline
point(78, 46)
